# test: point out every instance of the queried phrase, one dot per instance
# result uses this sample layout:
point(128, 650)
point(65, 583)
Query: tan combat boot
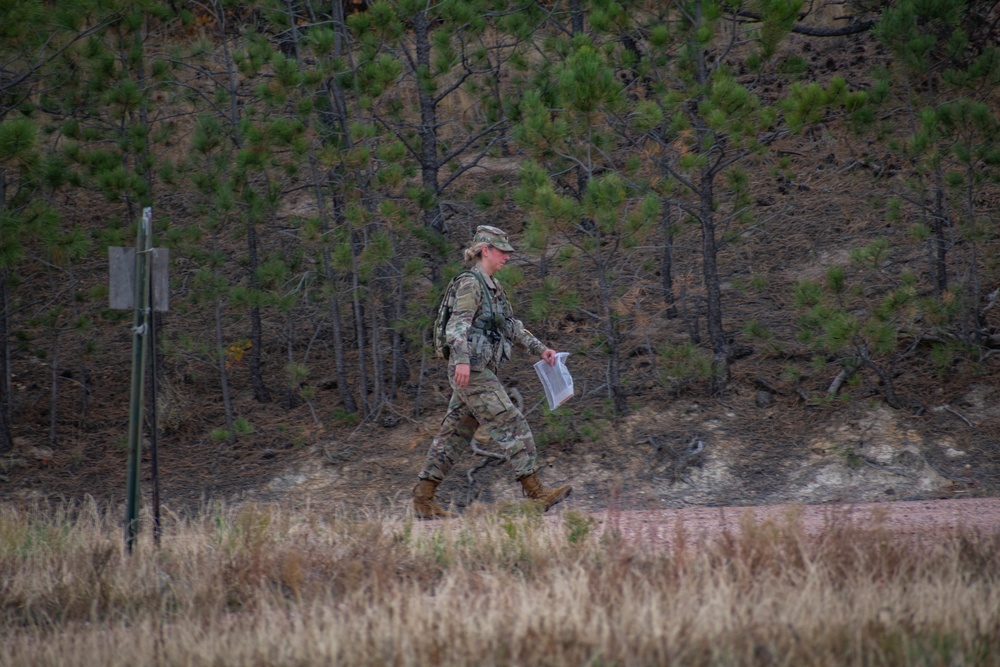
point(423, 501)
point(536, 491)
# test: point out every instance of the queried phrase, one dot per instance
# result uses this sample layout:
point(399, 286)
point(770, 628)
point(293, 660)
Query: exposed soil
point(786, 453)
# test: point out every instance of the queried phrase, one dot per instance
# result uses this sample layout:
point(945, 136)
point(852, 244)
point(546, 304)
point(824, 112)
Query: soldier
point(479, 334)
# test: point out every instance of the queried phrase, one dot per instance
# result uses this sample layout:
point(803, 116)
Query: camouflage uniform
point(480, 333)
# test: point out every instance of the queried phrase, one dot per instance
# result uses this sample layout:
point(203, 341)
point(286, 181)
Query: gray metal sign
point(122, 287)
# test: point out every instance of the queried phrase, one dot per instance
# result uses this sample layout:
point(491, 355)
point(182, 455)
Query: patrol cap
point(488, 235)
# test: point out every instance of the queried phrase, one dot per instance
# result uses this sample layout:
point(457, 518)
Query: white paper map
point(556, 380)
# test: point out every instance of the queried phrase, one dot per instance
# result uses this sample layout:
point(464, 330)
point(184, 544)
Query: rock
point(764, 399)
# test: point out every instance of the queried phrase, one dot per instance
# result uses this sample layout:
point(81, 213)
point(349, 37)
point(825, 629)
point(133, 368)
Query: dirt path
point(905, 518)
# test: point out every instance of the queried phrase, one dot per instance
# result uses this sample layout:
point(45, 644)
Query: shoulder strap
point(486, 290)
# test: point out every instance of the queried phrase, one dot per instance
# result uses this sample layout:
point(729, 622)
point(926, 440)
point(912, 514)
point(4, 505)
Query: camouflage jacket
point(482, 327)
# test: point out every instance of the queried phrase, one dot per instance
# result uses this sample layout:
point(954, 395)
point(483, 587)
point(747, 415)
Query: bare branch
point(843, 376)
point(955, 412)
point(678, 175)
point(34, 69)
point(399, 135)
point(851, 29)
point(464, 168)
point(991, 299)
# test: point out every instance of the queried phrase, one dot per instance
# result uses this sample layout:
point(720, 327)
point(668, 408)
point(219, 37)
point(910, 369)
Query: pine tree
point(841, 321)
point(321, 106)
point(443, 50)
point(680, 59)
point(21, 214)
point(949, 141)
point(222, 76)
point(214, 205)
point(39, 45)
point(598, 214)
point(113, 136)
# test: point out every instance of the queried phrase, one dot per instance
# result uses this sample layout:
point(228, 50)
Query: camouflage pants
point(483, 403)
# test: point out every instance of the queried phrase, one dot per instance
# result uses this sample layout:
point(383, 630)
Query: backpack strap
point(486, 293)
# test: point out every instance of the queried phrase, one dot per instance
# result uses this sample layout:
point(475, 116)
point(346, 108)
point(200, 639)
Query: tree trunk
point(338, 337)
point(713, 292)
point(6, 402)
point(81, 370)
point(6, 399)
point(667, 261)
point(424, 345)
point(340, 365)
point(399, 371)
point(709, 243)
point(576, 15)
point(359, 324)
point(393, 311)
point(220, 349)
point(612, 333)
point(940, 234)
point(260, 392)
point(6, 442)
point(375, 336)
point(290, 388)
point(336, 100)
point(54, 393)
point(429, 167)
point(975, 289)
point(608, 317)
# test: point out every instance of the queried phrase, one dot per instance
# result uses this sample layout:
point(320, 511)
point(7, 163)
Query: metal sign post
point(140, 347)
point(154, 448)
point(139, 282)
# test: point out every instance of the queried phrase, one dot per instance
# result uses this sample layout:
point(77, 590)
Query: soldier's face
point(494, 259)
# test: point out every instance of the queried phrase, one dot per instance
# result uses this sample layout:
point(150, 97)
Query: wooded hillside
point(690, 184)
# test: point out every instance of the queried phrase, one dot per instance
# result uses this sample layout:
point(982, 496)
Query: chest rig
point(489, 335)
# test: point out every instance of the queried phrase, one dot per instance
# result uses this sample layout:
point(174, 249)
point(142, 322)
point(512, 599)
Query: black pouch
point(480, 352)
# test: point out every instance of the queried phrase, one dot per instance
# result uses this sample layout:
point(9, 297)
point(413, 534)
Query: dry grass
point(260, 586)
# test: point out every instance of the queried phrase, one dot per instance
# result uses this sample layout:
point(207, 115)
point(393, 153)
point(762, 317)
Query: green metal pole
point(154, 431)
point(140, 346)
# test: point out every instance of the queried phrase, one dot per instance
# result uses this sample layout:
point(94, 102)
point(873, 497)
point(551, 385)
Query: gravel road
point(904, 518)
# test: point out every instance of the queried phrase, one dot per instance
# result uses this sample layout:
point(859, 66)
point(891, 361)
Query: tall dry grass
point(263, 586)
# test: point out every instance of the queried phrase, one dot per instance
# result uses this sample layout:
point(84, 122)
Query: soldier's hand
point(549, 356)
point(462, 375)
